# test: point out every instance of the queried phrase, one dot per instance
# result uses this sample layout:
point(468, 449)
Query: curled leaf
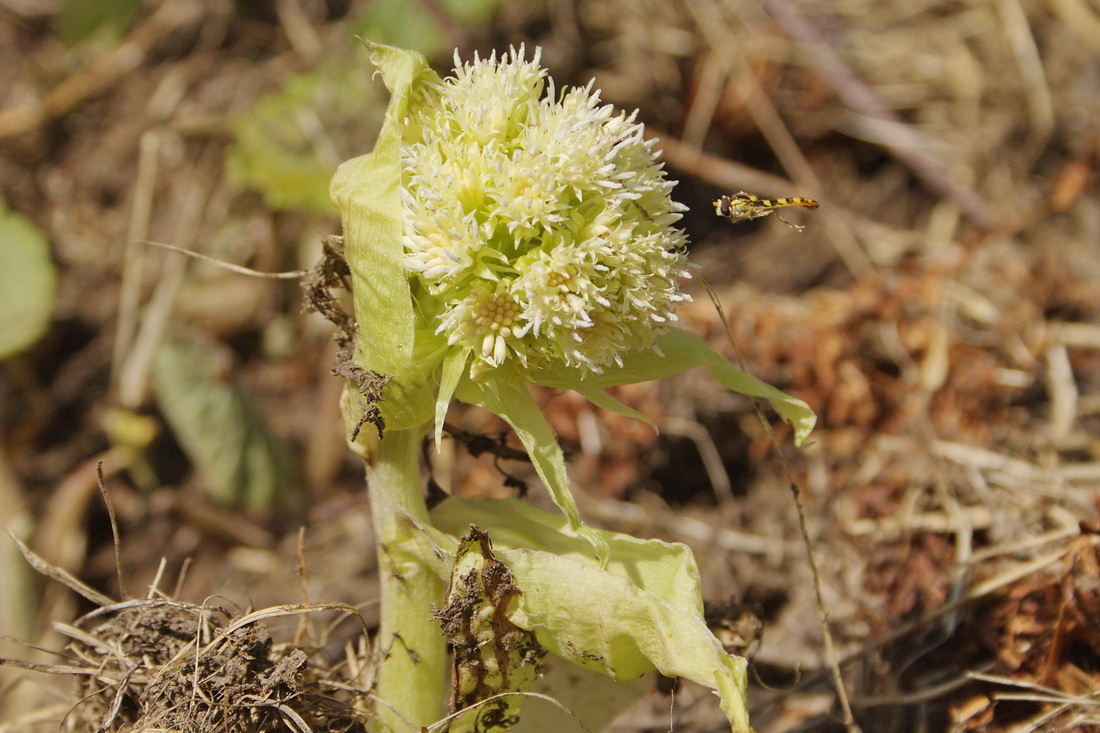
point(366, 191)
point(676, 352)
point(641, 611)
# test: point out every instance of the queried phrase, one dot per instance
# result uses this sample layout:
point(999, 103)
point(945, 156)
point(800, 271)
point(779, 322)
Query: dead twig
point(831, 657)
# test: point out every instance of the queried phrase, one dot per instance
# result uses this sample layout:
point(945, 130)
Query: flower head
point(538, 227)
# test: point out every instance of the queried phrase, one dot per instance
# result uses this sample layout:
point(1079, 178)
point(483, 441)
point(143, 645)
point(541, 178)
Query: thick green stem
point(414, 668)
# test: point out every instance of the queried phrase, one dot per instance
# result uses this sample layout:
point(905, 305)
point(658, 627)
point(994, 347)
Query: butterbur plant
point(504, 234)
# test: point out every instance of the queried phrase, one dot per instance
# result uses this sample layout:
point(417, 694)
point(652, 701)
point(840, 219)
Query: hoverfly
point(743, 206)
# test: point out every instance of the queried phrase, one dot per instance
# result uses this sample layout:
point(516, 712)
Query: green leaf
point(594, 698)
point(287, 145)
point(642, 610)
point(28, 283)
point(79, 19)
point(454, 369)
point(598, 397)
point(366, 191)
point(403, 24)
point(676, 352)
point(223, 434)
point(406, 25)
point(511, 401)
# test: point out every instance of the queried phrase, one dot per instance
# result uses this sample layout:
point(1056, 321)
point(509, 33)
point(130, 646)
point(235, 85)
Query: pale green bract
point(503, 234)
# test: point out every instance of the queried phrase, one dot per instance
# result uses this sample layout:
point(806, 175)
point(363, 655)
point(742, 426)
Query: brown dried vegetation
point(940, 311)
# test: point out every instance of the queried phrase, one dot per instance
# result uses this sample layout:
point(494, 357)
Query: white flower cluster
point(539, 227)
